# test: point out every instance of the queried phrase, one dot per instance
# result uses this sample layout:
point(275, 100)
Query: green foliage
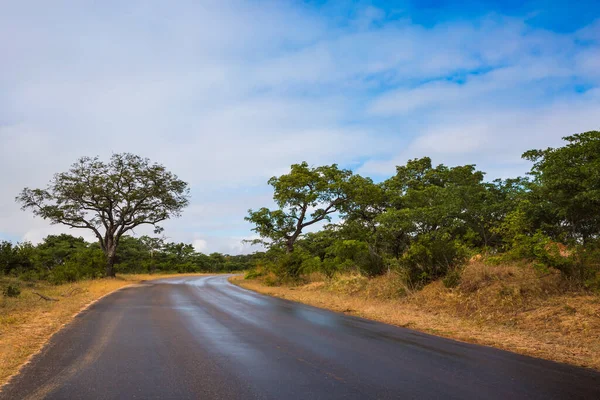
point(593, 283)
point(431, 257)
point(568, 184)
point(65, 273)
point(11, 291)
point(587, 267)
point(420, 224)
point(521, 242)
point(64, 258)
point(253, 274)
point(424, 221)
point(452, 278)
point(15, 259)
point(290, 265)
point(55, 250)
point(305, 196)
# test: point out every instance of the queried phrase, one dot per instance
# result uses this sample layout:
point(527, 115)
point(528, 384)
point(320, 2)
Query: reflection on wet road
point(201, 337)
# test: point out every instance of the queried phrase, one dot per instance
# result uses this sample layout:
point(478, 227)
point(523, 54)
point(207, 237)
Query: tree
point(15, 257)
point(432, 212)
point(431, 200)
point(110, 199)
point(367, 201)
point(305, 196)
point(152, 245)
point(567, 181)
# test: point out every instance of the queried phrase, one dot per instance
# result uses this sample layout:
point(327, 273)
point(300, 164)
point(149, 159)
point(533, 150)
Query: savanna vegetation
point(513, 263)
point(65, 258)
point(426, 221)
point(110, 199)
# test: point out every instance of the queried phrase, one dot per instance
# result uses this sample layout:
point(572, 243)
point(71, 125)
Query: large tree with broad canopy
point(109, 198)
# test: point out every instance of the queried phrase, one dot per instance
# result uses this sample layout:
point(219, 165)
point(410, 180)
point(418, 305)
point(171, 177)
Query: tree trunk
point(110, 263)
point(290, 246)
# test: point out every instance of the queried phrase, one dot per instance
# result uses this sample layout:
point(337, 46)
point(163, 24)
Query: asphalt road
point(203, 338)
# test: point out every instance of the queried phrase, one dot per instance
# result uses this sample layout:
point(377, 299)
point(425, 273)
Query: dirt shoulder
point(28, 321)
point(561, 327)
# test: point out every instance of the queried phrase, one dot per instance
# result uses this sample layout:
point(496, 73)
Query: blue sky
point(229, 93)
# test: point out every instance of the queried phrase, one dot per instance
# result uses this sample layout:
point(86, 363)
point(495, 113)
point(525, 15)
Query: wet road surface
point(203, 338)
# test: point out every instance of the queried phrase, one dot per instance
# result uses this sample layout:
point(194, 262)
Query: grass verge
point(509, 307)
point(28, 321)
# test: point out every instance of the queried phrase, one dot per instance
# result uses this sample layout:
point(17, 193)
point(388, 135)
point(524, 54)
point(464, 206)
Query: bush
point(452, 278)
point(289, 265)
point(67, 272)
point(588, 266)
point(31, 276)
point(253, 274)
point(430, 258)
point(11, 291)
point(271, 280)
point(593, 283)
point(344, 256)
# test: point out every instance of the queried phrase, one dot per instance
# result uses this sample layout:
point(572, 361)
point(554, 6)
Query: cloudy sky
point(229, 93)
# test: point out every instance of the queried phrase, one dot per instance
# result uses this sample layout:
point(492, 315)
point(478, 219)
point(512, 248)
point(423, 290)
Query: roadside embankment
point(511, 307)
point(28, 320)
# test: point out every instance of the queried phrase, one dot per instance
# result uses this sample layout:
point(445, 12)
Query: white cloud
point(495, 138)
point(200, 245)
point(227, 94)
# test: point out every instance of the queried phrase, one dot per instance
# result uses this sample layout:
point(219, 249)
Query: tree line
point(66, 258)
point(425, 221)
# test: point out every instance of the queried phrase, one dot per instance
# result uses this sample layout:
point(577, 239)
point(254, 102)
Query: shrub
point(253, 274)
point(346, 256)
point(452, 278)
point(290, 265)
point(588, 266)
point(31, 276)
point(430, 258)
point(271, 280)
point(67, 272)
point(11, 291)
point(593, 283)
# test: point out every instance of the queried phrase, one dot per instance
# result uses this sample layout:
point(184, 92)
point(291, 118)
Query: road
point(203, 338)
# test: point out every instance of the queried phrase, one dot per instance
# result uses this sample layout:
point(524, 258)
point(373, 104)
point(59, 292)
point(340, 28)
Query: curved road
point(203, 338)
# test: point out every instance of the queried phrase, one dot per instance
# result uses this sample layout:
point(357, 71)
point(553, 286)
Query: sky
point(227, 94)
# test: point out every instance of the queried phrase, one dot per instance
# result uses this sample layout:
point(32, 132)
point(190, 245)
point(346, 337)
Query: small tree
point(305, 196)
point(109, 199)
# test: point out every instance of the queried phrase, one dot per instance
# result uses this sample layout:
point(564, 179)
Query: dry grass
point(28, 321)
point(510, 307)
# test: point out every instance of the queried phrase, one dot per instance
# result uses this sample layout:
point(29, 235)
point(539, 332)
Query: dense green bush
point(430, 258)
